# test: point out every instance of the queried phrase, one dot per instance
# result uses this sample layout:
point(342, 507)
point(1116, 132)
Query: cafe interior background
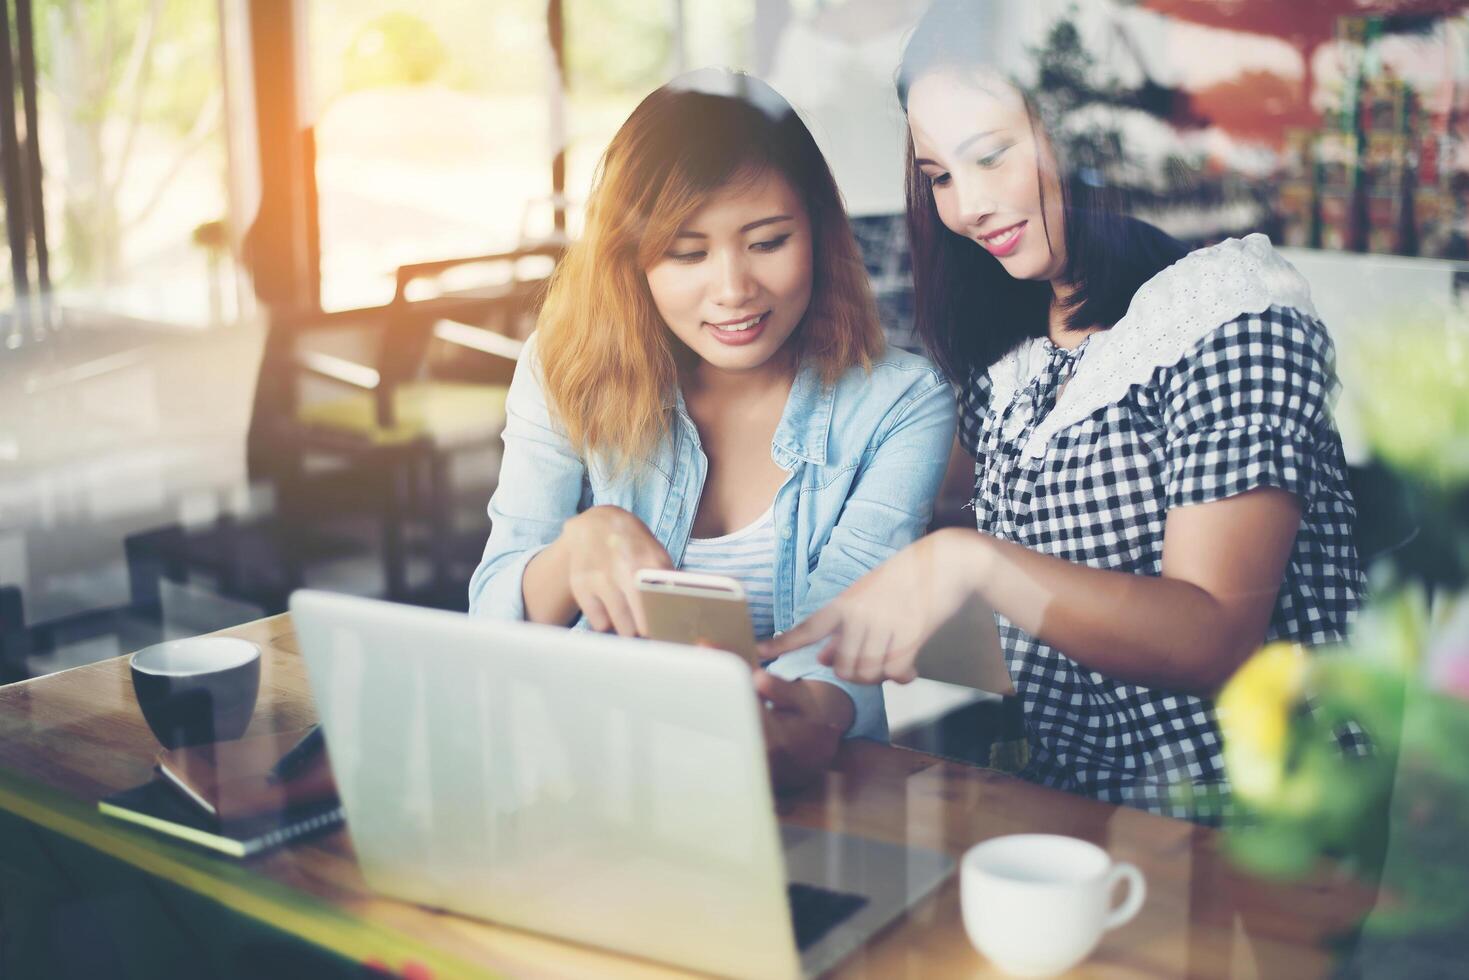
point(270, 263)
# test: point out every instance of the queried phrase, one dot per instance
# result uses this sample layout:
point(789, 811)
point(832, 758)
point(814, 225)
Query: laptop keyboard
point(816, 911)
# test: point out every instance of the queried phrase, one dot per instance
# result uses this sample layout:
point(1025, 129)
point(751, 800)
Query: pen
point(290, 763)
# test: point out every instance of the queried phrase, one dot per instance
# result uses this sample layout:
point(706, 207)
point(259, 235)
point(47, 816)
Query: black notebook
point(160, 807)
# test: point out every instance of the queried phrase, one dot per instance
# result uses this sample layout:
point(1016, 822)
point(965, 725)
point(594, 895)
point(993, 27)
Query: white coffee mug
point(1036, 904)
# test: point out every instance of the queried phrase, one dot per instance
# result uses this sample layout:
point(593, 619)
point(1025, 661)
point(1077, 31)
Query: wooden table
point(69, 738)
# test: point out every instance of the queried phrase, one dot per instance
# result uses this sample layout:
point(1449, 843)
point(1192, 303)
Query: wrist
point(595, 525)
point(967, 556)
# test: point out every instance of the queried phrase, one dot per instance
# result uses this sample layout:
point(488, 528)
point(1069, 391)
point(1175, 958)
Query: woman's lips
point(732, 337)
point(1004, 242)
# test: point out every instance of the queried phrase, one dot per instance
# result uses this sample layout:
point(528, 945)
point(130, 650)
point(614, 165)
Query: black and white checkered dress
point(1245, 405)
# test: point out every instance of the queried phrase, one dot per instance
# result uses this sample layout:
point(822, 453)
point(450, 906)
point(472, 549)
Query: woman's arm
point(544, 586)
point(544, 561)
point(1186, 630)
point(539, 489)
point(591, 568)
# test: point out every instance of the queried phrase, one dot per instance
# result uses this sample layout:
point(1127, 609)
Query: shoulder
point(1219, 302)
point(1212, 286)
point(899, 386)
point(1204, 313)
point(1277, 347)
point(895, 376)
point(1274, 328)
point(528, 361)
point(1234, 302)
point(528, 380)
point(898, 364)
point(528, 398)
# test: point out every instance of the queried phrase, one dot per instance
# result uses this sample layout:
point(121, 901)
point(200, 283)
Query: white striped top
point(748, 557)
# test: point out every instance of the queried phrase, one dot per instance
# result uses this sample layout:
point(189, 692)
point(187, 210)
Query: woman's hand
point(608, 546)
point(874, 629)
point(803, 722)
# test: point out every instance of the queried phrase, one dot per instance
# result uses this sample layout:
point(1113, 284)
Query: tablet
point(699, 610)
point(966, 650)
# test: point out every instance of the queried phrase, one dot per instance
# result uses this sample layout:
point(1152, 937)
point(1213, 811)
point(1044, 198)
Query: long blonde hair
point(608, 361)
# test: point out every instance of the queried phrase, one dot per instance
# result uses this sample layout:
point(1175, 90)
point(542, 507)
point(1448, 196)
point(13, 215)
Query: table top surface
point(70, 738)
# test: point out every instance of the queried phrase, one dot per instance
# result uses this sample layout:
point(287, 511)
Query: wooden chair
point(363, 410)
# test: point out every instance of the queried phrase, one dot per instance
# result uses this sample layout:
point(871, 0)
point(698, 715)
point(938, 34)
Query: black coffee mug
point(197, 690)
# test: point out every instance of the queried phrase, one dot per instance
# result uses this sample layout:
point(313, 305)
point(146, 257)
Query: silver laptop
point(606, 791)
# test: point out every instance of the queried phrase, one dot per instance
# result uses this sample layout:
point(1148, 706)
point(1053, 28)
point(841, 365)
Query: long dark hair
point(967, 308)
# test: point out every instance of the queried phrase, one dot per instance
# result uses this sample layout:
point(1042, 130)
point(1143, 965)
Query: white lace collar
point(1168, 315)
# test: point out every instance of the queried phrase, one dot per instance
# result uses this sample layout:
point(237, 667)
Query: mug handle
point(1137, 890)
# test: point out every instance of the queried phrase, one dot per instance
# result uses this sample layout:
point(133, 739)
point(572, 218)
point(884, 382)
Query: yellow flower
point(1254, 711)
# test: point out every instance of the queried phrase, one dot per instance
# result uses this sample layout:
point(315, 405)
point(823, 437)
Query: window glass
point(133, 152)
point(433, 135)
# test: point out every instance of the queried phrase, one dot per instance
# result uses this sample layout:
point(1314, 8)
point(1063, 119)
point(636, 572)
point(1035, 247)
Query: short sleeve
point(1247, 407)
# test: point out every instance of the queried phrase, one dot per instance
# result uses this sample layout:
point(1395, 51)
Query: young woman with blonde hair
point(709, 389)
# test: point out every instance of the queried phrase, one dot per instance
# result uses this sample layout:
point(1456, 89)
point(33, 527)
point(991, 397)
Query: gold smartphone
point(698, 610)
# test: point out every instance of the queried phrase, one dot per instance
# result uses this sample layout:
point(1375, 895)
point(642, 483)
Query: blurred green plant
point(395, 48)
point(1397, 815)
point(1416, 412)
point(1413, 380)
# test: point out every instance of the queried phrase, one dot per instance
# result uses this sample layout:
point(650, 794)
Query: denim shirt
point(865, 457)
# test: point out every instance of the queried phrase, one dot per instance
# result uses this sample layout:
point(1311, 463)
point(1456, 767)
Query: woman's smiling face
point(974, 143)
point(737, 280)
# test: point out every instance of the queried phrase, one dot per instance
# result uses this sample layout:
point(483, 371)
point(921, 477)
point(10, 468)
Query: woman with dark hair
point(1159, 485)
point(708, 388)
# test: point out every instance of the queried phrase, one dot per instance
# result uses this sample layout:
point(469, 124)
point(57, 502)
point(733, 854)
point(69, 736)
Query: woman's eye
point(938, 180)
point(993, 159)
point(770, 245)
point(684, 256)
